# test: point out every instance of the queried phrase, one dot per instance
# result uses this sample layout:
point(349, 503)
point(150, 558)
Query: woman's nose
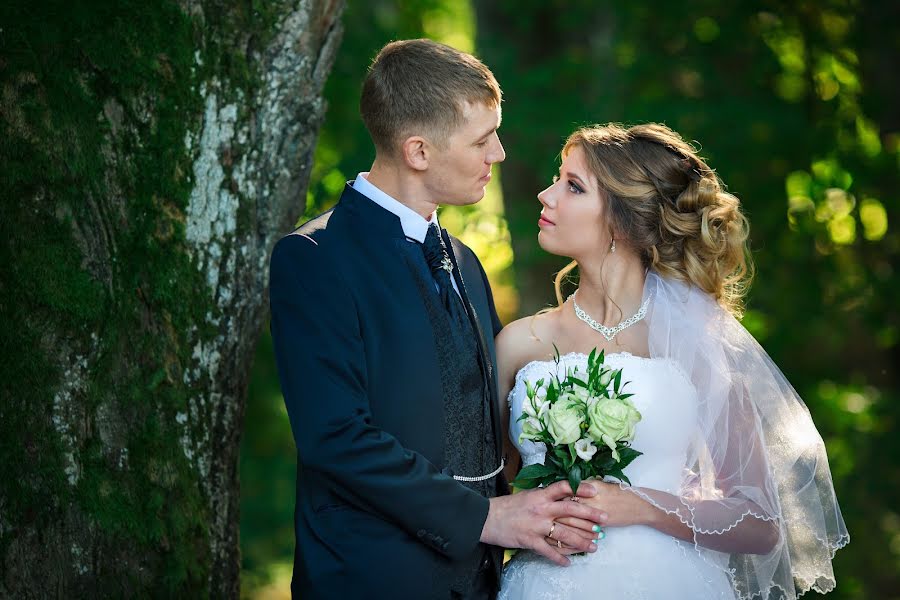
point(545, 198)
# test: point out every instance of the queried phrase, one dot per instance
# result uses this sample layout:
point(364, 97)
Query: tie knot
point(434, 251)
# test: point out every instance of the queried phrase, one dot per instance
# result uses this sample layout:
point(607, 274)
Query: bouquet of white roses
point(586, 421)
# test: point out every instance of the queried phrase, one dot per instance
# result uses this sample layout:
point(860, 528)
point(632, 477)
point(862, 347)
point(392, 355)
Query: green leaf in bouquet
point(575, 477)
point(603, 461)
point(618, 379)
point(572, 379)
point(532, 476)
point(626, 455)
point(562, 455)
point(553, 392)
point(552, 461)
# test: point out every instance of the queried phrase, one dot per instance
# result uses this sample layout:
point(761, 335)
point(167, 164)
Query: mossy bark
point(150, 156)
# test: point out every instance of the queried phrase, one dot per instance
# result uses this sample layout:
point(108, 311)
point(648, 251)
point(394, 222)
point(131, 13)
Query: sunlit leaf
point(869, 140)
point(874, 219)
point(706, 29)
point(842, 229)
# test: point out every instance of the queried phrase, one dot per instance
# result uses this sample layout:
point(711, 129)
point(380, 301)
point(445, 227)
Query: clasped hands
point(526, 519)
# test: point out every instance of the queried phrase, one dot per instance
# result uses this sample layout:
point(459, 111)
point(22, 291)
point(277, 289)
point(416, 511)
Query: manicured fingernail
point(601, 535)
point(596, 529)
point(604, 516)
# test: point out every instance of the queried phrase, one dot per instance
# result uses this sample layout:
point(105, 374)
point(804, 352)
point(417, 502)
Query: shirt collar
point(415, 226)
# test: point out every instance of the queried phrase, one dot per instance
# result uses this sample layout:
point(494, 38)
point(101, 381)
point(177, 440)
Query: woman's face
point(572, 221)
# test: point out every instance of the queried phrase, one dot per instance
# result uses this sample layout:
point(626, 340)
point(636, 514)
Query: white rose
point(585, 449)
point(611, 421)
point(564, 422)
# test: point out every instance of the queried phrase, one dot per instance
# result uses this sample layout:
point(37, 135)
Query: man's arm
point(321, 364)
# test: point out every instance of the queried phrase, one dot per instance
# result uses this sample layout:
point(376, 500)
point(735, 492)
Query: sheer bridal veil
point(756, 491)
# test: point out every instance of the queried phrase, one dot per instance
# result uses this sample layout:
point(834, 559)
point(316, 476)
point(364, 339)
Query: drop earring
point(612, 247)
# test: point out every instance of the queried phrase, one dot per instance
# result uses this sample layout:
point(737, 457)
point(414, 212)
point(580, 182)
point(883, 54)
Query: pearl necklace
point(610, 332)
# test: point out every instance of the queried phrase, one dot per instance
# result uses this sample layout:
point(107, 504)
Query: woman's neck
point(611, 289)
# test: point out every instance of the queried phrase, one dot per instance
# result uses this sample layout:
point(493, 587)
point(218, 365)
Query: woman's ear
point(415, 151)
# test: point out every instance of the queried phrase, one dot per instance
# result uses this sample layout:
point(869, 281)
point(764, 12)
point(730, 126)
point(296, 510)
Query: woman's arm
point(751, 535)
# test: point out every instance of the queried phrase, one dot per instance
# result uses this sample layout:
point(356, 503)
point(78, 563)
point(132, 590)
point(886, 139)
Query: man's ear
point(415, 152)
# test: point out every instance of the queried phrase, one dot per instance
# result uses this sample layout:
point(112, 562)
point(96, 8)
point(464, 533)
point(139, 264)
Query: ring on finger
point(552, 527)
point(558, 544)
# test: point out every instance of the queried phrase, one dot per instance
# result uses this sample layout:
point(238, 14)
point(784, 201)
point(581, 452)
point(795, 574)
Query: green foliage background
point(794, 104)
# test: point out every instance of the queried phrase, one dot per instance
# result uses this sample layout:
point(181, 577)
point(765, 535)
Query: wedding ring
point(558, 544)
point(552, 527)
point(575, 499)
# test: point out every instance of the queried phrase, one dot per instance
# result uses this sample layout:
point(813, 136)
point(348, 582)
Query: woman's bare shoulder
point(526, 339)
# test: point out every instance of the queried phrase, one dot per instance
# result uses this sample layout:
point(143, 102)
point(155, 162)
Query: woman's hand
point(623, 507)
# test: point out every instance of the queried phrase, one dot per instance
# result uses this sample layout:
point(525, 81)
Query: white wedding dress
point(634, 562)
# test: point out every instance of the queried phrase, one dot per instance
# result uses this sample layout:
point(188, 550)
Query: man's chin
point(474, 199)
point(479, 195)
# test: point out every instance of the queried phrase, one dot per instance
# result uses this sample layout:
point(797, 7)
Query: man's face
point(458, 174)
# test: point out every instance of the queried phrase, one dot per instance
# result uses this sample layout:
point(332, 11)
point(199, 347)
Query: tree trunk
point(151, 155)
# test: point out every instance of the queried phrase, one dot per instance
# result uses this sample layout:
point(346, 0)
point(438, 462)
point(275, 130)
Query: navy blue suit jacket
point(377, 512)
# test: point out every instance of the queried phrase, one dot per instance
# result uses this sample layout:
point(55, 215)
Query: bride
point(732, 496)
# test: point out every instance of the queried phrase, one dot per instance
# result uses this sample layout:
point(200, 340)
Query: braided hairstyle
point(670, 206)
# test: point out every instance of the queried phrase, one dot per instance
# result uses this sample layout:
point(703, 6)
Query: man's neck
point(401, 185)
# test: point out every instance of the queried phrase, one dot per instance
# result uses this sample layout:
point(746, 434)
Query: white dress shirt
point(415, 226)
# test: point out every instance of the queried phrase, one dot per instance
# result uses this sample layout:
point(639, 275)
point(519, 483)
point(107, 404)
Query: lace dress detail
point(633, 562)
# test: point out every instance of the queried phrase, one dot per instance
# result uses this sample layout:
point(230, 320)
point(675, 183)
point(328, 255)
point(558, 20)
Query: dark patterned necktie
point(442, 269)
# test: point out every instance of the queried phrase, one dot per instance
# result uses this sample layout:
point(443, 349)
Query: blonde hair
point(666, 202)
point(418, 87)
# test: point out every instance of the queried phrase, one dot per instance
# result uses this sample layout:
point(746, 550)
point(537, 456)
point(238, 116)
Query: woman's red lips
point(545, 221)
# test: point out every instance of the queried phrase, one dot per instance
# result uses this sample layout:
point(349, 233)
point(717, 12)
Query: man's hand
point(525, 519)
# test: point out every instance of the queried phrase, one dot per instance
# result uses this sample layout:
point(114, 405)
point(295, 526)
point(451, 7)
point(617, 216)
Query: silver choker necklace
point(610, 332)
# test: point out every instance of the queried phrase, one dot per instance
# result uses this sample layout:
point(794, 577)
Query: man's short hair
point(418, 87)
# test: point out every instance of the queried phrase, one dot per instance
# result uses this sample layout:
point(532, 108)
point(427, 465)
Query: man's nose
point(499, 154)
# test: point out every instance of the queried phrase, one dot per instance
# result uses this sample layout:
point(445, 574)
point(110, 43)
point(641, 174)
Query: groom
point(383, 326)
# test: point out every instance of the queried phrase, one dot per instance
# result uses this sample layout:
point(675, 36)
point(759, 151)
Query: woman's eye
point(575, 188)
